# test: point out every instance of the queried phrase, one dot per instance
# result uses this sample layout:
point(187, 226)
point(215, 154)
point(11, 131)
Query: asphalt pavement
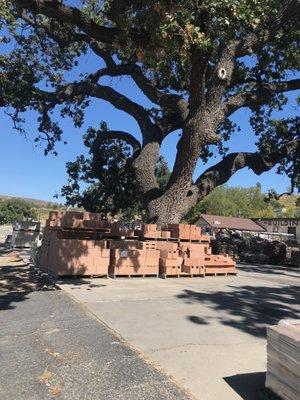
point(52, 347)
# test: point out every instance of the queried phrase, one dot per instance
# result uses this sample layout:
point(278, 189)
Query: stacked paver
point(283, 353)
point(25, 233)
point(79, 243)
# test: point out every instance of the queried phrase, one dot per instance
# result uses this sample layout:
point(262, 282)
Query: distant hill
point(36, 202)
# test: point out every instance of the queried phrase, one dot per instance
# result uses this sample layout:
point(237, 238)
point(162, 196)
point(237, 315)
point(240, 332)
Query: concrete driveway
point(208, 334)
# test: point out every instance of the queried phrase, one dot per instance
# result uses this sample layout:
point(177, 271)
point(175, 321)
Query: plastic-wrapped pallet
point(26, 226)
point(25, 233)
point(283, 353)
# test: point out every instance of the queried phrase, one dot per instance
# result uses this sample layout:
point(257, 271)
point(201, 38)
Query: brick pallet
point(74, 257)
point(71, 246)
point(79, 243)
point(127, 262)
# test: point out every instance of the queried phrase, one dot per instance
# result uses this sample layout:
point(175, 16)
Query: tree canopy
point(197, 62)
point(245, 203)
point(104, 181)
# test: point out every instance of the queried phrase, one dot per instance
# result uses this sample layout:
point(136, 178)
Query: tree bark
point(172, 206)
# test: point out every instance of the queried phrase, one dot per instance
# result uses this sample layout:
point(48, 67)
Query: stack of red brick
point(132, 257)
point(79, 243)
point(70, 245)
point(192, 254)
point(77, 220)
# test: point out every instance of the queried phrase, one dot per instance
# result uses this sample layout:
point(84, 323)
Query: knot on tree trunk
point(222, 73)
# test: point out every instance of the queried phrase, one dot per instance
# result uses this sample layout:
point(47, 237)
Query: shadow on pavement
point(18, 279)
point(247, 386)
point(248, 308)
point(288, 271)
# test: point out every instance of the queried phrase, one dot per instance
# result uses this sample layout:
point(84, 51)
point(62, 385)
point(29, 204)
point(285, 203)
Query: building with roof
point(281, 226)
point(280, 229)
point(216, 223)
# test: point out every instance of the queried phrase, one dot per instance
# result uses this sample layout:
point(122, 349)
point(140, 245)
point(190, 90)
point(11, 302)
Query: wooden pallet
point(72, 229)
point(151, 239)
point(89, 276)
point(133, 276)
point(193, 241)
point(109, 236)
point(26, 230)
point(21, 247)
point(220, 273)
point(176, 240)
point(158, 239)
point(181, 275)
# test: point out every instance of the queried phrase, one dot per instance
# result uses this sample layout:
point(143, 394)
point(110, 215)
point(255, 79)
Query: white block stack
point(25, 233)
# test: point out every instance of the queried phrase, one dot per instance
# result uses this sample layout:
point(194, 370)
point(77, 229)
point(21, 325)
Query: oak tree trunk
point(171, 206)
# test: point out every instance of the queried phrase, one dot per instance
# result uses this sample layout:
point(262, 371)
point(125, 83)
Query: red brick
point(165, 234)
point(170, 246)
point(169, 254)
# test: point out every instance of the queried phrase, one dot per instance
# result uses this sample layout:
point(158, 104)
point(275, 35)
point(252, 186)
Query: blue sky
point(26, 172)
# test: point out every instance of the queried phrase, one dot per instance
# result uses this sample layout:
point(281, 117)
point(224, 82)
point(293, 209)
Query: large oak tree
point(197, 61)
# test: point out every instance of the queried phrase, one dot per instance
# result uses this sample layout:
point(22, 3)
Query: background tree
point(297, 210)
point(244, 202)
point(104, 182)
point(197, 61)
point(12, 210)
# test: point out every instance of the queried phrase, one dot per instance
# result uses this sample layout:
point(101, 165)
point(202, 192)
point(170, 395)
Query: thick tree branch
point(72, 15)
point(120, 135)
point(197, 84)
point(62, 42)
point(261, 93)
point(221, 76)
point(172, 102)
point(118, 100)
point(258, 163)
point(174, 107)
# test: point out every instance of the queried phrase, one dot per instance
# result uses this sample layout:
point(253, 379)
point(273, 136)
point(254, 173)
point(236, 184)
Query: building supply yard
point(199, 334)
point(150, 200)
